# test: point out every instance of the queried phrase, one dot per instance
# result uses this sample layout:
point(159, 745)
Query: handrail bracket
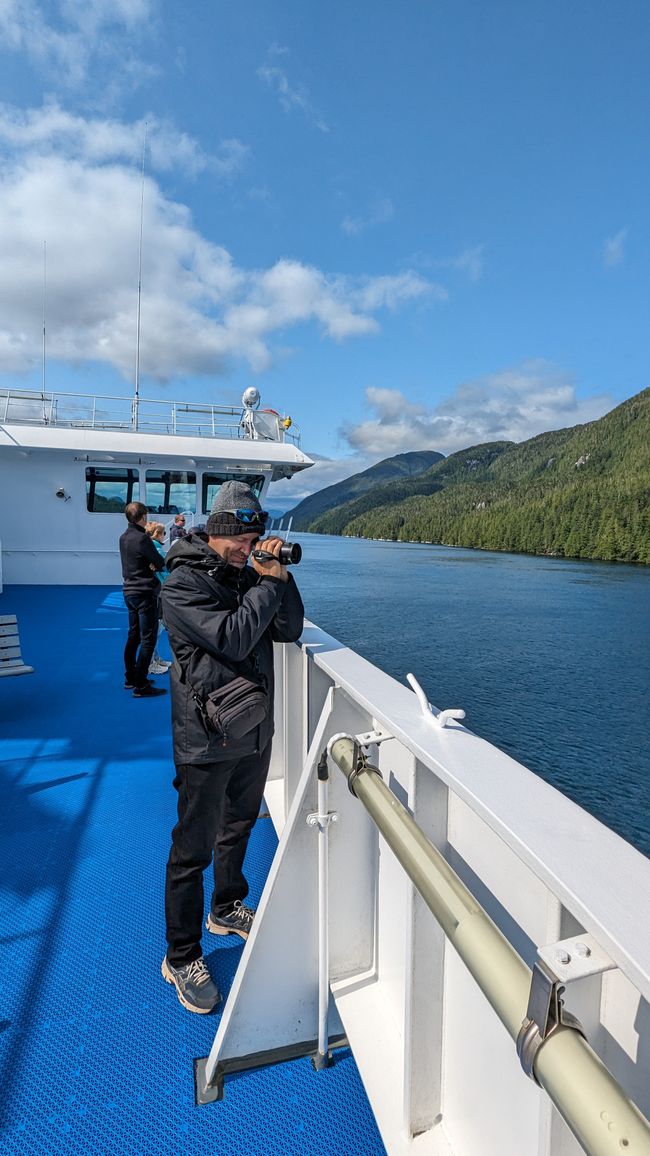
point(556, 965)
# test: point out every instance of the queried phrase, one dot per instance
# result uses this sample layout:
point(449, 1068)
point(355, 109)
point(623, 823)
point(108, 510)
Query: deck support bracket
point(374, 737)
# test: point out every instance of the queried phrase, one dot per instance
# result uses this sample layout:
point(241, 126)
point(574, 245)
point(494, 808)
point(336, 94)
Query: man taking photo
point(223, 616)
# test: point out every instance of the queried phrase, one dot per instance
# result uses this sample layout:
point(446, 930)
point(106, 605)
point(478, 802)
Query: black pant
point(218, 804)
point(143, 631)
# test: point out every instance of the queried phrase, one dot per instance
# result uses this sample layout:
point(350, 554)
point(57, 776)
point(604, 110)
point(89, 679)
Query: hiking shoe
point(238, 921)
point(194, 985)
point(128, 685)
point(148, 691)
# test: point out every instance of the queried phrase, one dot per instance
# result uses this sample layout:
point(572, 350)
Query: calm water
point(550, 659)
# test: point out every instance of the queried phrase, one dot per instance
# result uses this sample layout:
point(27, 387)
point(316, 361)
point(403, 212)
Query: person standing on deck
point(156, 532)
point(222, 616)
point(140, 564)
point(177, 528)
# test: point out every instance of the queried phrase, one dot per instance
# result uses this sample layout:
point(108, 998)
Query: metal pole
point(322, 819)
point(44, 308)
point(596, 1109)
point(136, 392)
point(321, 1058)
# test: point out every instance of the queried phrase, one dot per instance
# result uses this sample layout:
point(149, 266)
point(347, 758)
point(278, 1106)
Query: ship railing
point(120, 414)
point(535, 896)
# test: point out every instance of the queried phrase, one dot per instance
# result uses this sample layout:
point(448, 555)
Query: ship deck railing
point(61, 410)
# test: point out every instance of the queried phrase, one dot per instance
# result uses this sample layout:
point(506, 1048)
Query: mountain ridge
point(399, 465)
point(582, 492)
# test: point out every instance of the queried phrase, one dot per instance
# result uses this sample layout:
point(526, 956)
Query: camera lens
point(290, 554)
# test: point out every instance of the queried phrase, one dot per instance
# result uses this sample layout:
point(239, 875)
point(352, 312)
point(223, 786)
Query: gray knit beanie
point(223, 522)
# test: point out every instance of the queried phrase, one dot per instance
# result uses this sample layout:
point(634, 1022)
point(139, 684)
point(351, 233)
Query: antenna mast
point(136, 394)
point(44, 301)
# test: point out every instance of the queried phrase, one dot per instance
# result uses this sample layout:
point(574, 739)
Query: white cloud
point(379, 213)
point(614, 249)
point(470, 261)
point(231, 157)
point(67, 38)
point(199, 311)
point(391, 292)
point(513, 405)
point(290, 95)
point(51, 130)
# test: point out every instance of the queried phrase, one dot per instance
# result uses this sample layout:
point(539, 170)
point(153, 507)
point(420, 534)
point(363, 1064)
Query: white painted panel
point(425, 961)
point(508, 890)
point(490, 1108)
point(376, 1043)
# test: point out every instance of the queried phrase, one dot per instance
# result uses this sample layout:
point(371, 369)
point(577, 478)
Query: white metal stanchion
point(322, 819)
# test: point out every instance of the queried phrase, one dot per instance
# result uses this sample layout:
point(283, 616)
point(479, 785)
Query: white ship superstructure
point(69, 463)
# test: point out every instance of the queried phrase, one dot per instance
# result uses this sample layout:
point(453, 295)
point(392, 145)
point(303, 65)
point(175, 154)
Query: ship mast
point(44, 305)
point(136, 393)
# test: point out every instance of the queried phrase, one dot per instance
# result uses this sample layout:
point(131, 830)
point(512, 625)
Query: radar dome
point(251, 397)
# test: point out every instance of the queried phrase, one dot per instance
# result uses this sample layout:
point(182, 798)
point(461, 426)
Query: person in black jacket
point(222, 616)
point(177, 528)
point(140, 564)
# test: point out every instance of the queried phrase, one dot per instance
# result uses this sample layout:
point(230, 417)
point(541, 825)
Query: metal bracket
point(373, 738)
point(557, 964)
point(322, 821)
point(575, 958)
point(544, 1015)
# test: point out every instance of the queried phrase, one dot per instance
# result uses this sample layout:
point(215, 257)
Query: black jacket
point(221, 622)
point(138, 555)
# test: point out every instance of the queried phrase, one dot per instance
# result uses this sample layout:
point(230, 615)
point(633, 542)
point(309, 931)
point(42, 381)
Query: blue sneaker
point(194, 985)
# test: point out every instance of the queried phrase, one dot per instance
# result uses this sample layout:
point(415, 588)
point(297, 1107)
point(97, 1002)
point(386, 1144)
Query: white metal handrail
point(159, 416)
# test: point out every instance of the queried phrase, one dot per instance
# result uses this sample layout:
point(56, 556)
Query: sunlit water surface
point(549, 658)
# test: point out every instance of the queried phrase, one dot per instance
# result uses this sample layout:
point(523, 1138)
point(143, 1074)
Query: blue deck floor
point(96, 1050)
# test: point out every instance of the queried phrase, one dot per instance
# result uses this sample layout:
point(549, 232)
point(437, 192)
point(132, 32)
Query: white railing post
point(322, 819)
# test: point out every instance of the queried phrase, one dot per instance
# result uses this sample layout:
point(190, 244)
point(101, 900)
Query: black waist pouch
point(235, 709)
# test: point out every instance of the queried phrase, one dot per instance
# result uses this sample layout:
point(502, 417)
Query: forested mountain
point(400, 466)
point(581, 492)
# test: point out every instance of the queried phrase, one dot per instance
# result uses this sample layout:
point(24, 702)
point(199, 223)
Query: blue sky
point(417, 225)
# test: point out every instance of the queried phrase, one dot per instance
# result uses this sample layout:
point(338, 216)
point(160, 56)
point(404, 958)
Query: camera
point(290, 554)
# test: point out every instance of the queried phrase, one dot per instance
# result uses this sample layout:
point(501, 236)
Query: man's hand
point(270, 566)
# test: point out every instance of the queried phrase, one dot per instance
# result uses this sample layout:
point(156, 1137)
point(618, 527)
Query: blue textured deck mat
point(96, 1051)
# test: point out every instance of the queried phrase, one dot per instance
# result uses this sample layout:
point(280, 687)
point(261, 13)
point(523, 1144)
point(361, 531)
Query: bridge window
point(109, 490)
point(170, 492)
point(212, 484)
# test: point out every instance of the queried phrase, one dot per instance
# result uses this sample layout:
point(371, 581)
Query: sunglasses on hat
point(247, 516)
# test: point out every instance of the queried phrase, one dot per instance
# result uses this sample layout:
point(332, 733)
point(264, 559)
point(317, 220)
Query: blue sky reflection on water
point(550, 658)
